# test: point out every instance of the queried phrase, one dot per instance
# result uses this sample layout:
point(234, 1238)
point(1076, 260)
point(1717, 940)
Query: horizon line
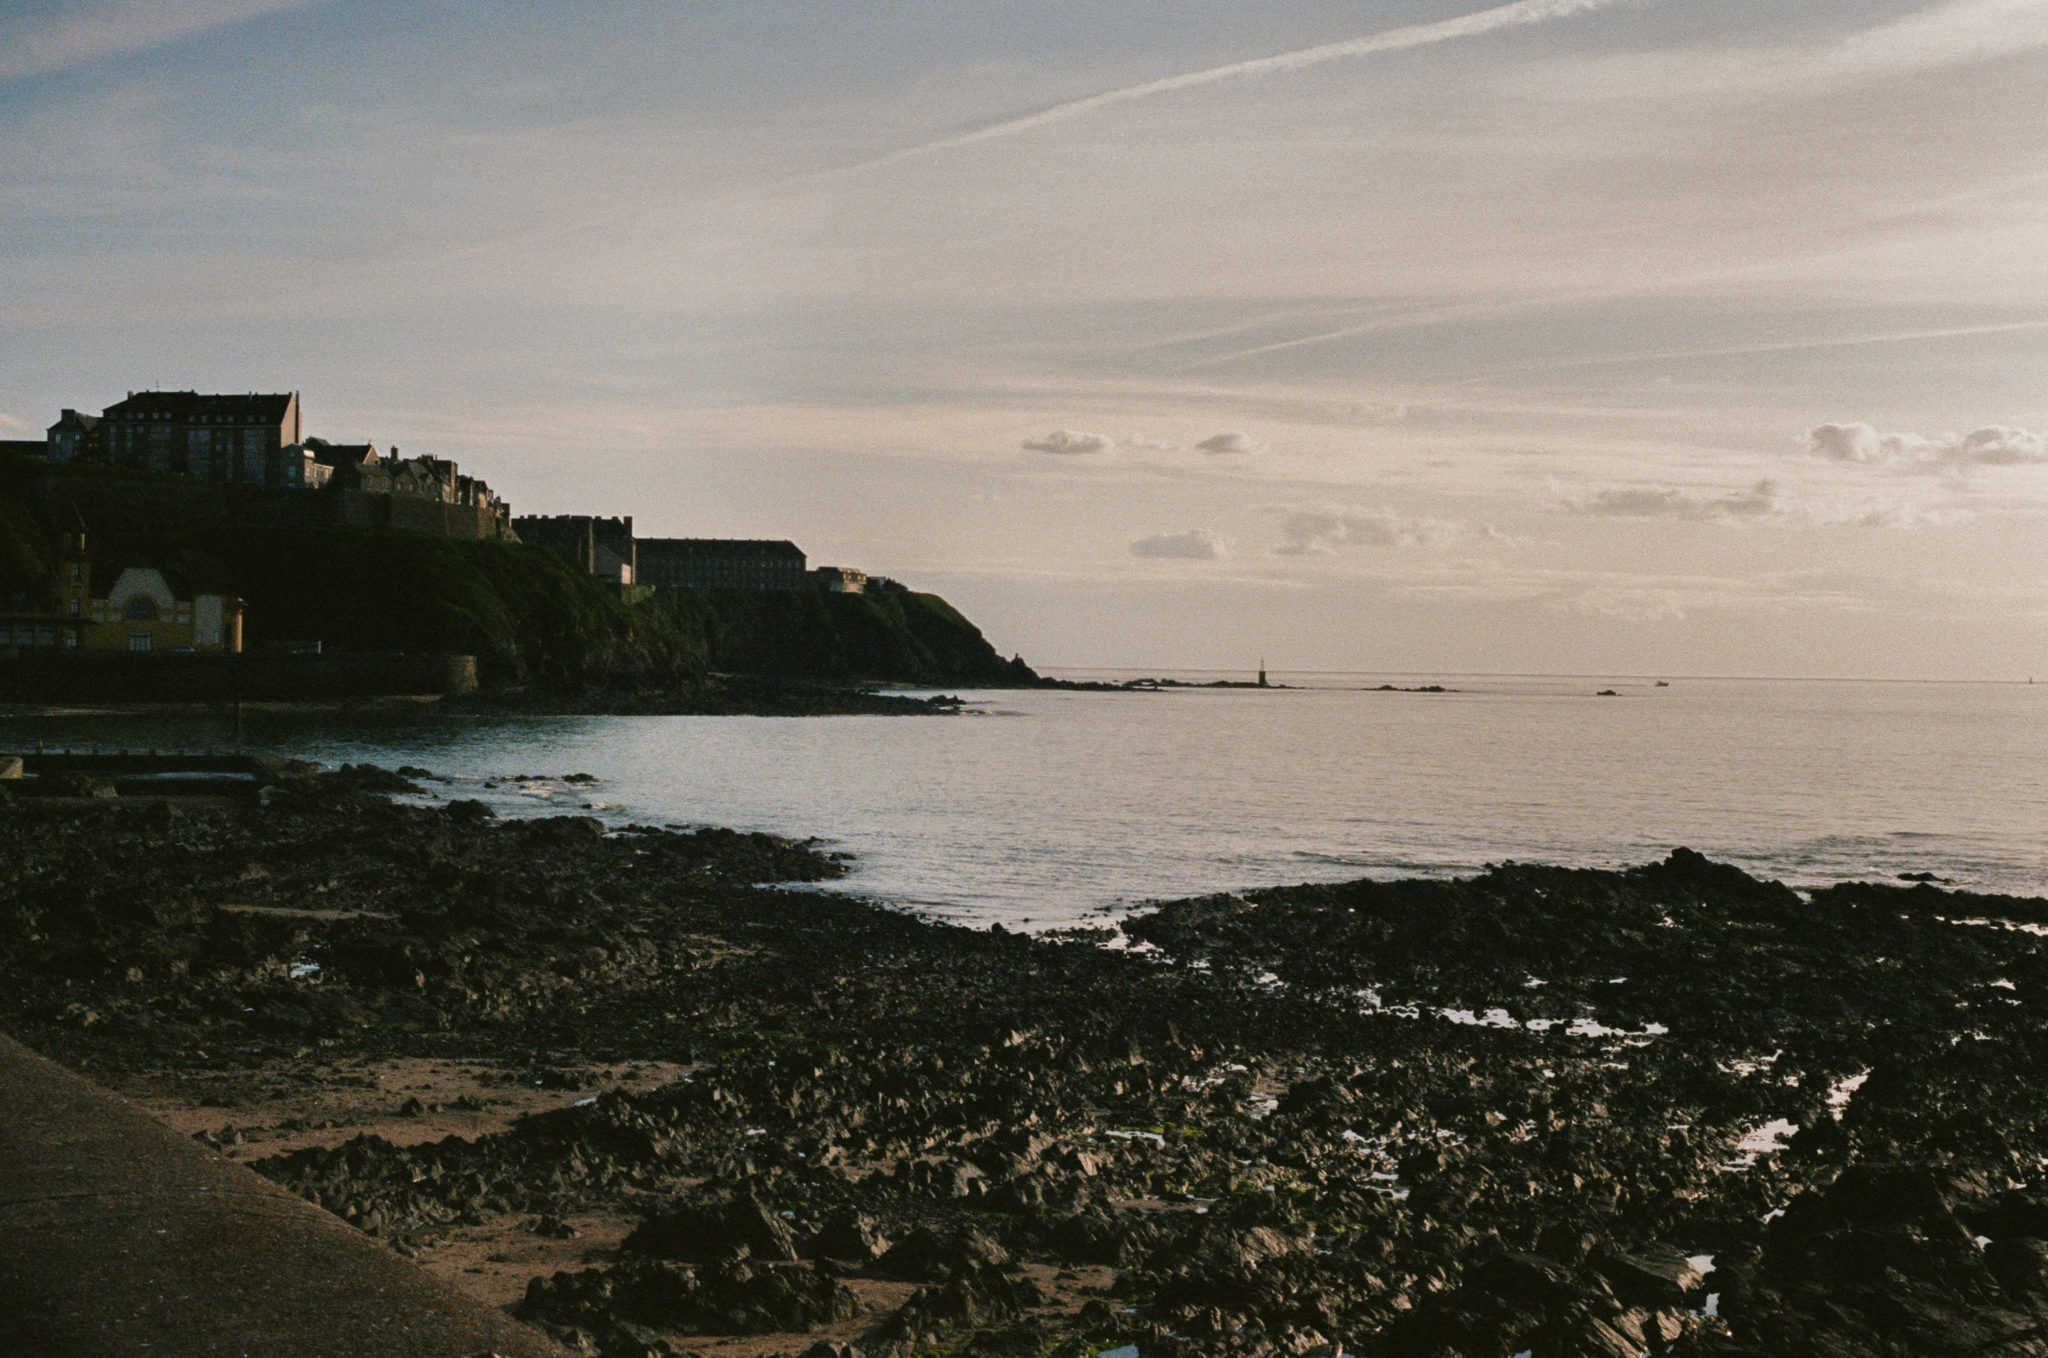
point(1668, 675)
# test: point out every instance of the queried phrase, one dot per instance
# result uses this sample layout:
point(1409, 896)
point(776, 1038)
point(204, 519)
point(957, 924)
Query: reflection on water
point(1047, 806)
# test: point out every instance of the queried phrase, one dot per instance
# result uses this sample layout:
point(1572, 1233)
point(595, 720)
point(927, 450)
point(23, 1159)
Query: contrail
point(1519, 14)
point(1516, 15)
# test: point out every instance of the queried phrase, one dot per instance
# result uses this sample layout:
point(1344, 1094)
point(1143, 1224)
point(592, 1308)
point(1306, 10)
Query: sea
point(1056, 808)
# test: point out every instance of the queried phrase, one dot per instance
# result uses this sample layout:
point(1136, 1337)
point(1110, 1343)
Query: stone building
point(75, 438)
point(839, 580)
point(721, 563)
point(601, 547)
point(255, 440)
point(315, 462)
point(240, 439)
point(54, 613)
point(101, 606)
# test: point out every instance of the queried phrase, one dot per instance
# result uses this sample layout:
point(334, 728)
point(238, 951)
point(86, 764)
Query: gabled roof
point(185, 406)
point(189, 575)
point(341, 454)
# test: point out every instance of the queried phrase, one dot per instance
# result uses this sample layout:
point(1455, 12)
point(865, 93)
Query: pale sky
point(1625, 336)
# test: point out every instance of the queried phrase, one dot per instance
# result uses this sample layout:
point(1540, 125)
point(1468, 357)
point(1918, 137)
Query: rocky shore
point(614, 1082)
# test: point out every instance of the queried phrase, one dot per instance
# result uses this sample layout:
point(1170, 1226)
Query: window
point(139, 641)
point(74, 608)
point(141, 608)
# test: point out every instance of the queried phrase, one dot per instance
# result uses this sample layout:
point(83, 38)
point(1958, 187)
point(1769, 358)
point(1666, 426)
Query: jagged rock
point(552, 1228)
point(975, 1295)
point(1529, 1280)
point(924, 1256)
point(847, 1234)
point(2021, 1267)
point(730, 1299)
point(705, 1234)
point(830, 1348)
point(1651, 1276)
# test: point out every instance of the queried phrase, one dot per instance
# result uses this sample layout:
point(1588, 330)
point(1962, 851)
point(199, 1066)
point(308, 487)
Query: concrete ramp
point(120, 1237)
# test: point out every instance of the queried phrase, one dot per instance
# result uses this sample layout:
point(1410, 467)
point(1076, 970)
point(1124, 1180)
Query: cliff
point(530, 618)
point(890, 635)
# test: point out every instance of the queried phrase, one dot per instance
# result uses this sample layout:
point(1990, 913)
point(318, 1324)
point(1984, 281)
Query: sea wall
point(282, 677)
point(132, 503)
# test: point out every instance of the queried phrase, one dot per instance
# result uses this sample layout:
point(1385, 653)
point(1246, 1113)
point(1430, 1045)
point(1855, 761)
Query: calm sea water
point(1048, 807)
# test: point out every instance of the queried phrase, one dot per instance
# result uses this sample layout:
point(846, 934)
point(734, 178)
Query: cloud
point(1639, 502)
point(1629, 604)
point(1071, 441)
point(45, 38)
point(1196, 544)
point(1325, 532)
point(1230, 444)
point(1993, 445)
point(1519, 14)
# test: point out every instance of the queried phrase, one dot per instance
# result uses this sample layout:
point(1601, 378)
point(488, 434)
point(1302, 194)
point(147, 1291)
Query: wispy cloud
point(1958, 32)
point(1230, 445)
point(1196, 544)
point(39, 39)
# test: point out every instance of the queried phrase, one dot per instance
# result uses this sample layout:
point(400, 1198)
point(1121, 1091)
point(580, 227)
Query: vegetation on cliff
point(894, 635)
point(528, 615)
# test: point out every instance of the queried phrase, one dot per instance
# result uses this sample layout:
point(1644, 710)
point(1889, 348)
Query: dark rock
point(721, 1229)
point(734, 1299)
point(924, 1256)
point(850, 1235)
point(1651, 1276)
point(78, 785)
point(973, 1297)
point(2021, 1267)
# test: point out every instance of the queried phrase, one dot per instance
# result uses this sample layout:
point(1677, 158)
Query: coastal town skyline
point(1562, 336)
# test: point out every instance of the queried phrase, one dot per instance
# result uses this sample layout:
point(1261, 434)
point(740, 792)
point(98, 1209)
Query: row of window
point(50, 639)
point(38, 638)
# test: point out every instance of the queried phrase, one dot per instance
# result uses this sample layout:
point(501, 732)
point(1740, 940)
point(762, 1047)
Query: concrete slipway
point(120, 1237)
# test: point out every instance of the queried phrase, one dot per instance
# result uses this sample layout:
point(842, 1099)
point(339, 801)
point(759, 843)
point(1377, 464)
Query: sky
point(1645, 337)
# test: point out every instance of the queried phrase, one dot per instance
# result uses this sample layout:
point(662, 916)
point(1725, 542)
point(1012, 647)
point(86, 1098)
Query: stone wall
point(143, 504)
point(118, 677)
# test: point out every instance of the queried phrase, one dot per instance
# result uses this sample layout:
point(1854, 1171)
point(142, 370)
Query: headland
point(183, 547)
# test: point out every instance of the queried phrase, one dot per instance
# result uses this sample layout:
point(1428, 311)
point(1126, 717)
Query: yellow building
point(147, 609)
point(99, 607)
